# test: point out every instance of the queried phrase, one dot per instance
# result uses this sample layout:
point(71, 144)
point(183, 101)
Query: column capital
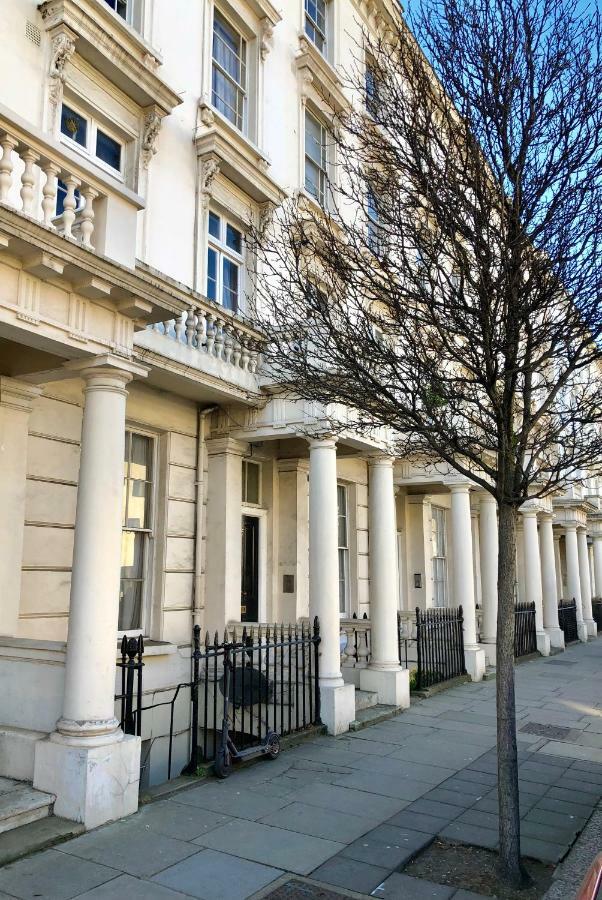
point(486, 497)
point(381, 459)
point(107, 371)
point(219, 445)
point(16, 394)
point(323, 442)
point(458, 487)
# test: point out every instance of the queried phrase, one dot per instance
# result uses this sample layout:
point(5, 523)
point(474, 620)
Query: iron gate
point(567, 619)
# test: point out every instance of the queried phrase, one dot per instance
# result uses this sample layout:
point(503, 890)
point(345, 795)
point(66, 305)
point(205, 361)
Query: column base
point(556, 636)
point(92, 784)
point(543, 643)
point(592, 628)
point(391, 685)
point(474, 659)
point(337, 707)
point(490, 650)
point(582, 632)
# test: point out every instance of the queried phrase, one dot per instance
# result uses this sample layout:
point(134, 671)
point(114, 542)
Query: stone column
point(558, 565)
point(597, 543)
point(586, 587)
point(488, 540)
point(573, 577)
point(16, 401)
point(463, 581)
point(91, 766)
point(224, 545)
point(337, 698)
point(533, 586)
point(548, 581)
point(384, 673)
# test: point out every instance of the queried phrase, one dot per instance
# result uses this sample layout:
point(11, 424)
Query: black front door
point(249, 586)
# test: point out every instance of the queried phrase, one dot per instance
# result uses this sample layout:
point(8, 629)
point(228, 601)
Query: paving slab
point(132, 888)
point(231, 801)
point(51, 875)
point(289, 850)
point(405, 887)
point(348, 800)
point(211, 875)
point(446, 811)
point(471, 834)
point(351, 874)
point(418, 822)
point(128, 848)
point(387, 846)
point(402, 789)
point(542, 850)
point(178, 820)
point(328, 823)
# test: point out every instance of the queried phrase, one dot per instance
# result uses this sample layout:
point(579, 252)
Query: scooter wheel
point(273, 745)
point(222, 764)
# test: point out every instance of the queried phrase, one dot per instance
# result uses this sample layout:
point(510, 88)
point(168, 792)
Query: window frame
point(439, 517)
point(311, 26)
point(242, 87)
point(323, 166)
point(245, 468)
point(149, 532)
point(374, 229)
point(93, 126)
point(220, 247)
point(343, 552)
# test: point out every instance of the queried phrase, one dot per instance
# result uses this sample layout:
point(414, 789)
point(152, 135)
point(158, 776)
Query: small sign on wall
point(288, 584)
point(418, 579)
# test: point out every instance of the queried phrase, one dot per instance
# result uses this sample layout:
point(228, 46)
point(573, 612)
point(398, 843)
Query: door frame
point(262, 515)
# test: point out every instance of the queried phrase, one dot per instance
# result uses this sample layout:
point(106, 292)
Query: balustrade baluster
point(219, 338)
point(200, 329)
point(87, 216)
point(210, 333)
point(228, 343)
point(178, 325)
point(28, 180)
point(51, 171)
point(190, 326)
point(8, 144)
point(70, 204)
point(253, 360)
point(237, 348)
point(244, 359)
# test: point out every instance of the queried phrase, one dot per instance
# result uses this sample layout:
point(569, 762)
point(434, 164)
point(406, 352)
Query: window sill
point(325, 83)
point(109, 44)
point(238, 158)
point(154, 648)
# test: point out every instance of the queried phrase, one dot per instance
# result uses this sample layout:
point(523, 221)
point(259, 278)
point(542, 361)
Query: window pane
point(230, 285)
point(108, 150)
point(314, 139)
point(228, 49)
point(251, 482)
point(120, 7)
point(138, 504)
point(141, 457)
point(233, 239)
point(214, 225)
point(130, 605)
point(132, 556)
point(313, 179)
point(343, 567)
point(211, 274)
point(226, 98)
point(74, 125)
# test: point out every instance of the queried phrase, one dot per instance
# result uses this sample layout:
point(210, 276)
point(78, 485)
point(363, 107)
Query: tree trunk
point(511, 868)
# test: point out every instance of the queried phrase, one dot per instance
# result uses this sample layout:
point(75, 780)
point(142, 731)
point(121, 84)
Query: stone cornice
point(111, 46)
point(318, 76)
point(17, 394)
point(264, 9)
point(230, 153)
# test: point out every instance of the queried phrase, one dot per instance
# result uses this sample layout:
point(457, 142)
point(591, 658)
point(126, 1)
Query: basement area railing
point(525, 638)
point(567, 619)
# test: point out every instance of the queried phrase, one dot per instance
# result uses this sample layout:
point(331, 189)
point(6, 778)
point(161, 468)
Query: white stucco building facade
point(148, 482)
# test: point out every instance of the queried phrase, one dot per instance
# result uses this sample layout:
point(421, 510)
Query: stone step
point(20, 804)
point(365, 699)
point(373, 715)
point(36, 836)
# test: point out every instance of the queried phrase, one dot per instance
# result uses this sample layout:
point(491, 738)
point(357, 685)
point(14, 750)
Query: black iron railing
point(131, 665)
point(439, 646)
point(567, 619)
point(274, 686)
point(597, 612)
point(525, 637)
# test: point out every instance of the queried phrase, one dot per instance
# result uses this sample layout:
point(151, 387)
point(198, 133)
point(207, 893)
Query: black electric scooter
point(228, 753)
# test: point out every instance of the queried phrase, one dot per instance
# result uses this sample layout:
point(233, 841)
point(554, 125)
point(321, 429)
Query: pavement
point(349, 813)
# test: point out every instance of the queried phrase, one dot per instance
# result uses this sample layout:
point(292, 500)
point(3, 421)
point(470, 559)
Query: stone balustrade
point(31, 179)
point(213, 334)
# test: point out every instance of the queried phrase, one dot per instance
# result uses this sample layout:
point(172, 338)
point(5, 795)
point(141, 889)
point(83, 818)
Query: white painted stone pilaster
point(549, 582)
point(91, 766)
point(533, 585)
point(573, 576)
point(384, 674)
point(488, 541)
point(558, 565)
point(463, 581)
point(224, 522)
point(16, 402)
point(337, 698)
point(586, 587)
point(597, 546)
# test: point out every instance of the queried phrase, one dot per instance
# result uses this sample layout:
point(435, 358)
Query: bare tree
point(449, 288)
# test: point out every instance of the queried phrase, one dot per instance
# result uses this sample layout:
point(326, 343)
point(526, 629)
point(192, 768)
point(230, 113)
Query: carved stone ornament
point(150, 134)
point(209, 171)
point(267, 33)
point(206, 114)
point(63, 48)
point(266, 214)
